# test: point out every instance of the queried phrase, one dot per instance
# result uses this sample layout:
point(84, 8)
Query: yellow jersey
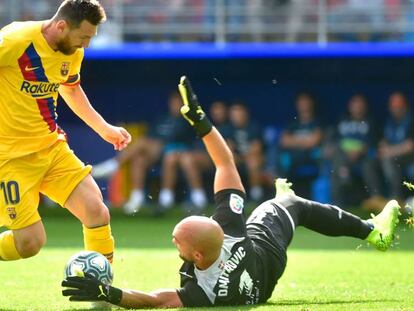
point(30, 75)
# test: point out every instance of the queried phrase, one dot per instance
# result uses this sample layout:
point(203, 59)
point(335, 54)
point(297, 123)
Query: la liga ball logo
point(236, 203)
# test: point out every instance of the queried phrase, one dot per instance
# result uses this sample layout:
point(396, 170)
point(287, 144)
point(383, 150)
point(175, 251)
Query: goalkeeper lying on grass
point(228, 260)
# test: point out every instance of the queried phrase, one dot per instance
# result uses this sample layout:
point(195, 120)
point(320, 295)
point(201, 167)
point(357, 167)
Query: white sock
point(166, 198)
point(105, 169)
point(256, 193)
point(136, 199)
point(198, 198)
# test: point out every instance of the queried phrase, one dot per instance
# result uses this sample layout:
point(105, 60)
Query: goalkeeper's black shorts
point(270, 227)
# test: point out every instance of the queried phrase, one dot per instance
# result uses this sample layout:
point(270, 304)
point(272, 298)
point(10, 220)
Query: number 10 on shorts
point(11, 192)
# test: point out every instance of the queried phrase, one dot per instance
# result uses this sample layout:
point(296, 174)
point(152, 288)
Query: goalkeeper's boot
point(191, 109)
point(382, 235)
point(283, 187)
point(409, 211)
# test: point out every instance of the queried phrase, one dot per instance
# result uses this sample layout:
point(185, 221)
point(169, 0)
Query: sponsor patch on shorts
point(236, 203)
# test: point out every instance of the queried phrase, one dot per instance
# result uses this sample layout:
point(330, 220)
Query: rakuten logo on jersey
point(39, 89)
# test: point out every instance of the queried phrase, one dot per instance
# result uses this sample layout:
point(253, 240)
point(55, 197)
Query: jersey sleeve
point(230, 212)
point(6, 49)
point(74, 70)
point(192, 295)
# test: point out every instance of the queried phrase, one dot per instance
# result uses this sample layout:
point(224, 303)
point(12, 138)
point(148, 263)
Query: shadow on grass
point(281, 303)
point(300, 302)
point(327, 302)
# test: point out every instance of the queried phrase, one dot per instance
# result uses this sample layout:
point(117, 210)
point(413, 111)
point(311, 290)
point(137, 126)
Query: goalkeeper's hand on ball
point(88, 288)
point(191, 109)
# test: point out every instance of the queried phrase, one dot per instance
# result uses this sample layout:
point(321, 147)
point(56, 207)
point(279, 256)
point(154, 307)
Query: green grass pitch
point(322, 273)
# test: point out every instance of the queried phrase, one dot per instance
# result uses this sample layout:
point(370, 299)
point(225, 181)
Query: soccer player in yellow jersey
point(39, 61)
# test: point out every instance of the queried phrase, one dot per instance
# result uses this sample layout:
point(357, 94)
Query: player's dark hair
point(77, 11)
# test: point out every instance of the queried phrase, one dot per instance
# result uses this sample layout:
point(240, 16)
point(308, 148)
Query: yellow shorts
point(55, 172)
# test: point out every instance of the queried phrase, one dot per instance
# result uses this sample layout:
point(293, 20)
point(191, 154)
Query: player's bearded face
point(65, 46)
point(76, 38)
point(181, 251)
point(186, 258)
point(183, 255)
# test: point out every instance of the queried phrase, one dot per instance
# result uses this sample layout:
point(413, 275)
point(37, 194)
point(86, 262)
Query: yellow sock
point(100, 240)
point(8, 249)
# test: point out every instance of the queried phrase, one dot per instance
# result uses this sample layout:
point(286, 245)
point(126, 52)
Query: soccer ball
point(90, 262)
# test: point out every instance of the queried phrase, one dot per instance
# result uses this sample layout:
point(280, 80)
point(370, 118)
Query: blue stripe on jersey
point(36, 62)
point(51, 107)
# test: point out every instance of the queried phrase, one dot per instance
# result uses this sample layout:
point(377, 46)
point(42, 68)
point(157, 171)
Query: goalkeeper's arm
point(90, 289)
point(227, 176)
point(163, 298)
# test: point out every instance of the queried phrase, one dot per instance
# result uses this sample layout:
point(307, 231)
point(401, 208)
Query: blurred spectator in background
point(355, 157)
point(235, 17)
point(366, 16)
point(300, 146)
point(297, 12)
point(43, 9)
point(245, 140)
point(255, 17)
point(219, 116)
point(171, 139)
point(408, 19)
point(241, 20)
point(396, 150)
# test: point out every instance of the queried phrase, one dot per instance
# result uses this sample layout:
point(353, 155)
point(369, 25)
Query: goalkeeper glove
point(191, 110)
point(89, 288)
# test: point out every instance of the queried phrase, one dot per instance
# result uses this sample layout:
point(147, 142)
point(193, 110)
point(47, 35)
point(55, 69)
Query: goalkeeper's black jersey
point(246, 271)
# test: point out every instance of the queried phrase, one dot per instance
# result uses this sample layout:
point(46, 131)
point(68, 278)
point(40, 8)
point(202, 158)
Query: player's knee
point(103, 215)
point(171, 159)
point(98, 214)
point(187, 160)
point(30, 246)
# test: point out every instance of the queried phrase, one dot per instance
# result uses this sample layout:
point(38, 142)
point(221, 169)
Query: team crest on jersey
point(12, 212)
point(221, 265)
point(64, 70)
point(236, 203)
